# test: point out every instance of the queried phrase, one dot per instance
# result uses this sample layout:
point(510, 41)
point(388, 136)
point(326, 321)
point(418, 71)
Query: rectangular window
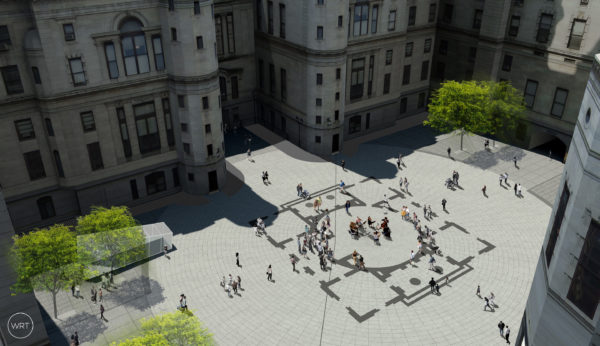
point(35, 165)
point(219, 36)
point(25, 129)
point(259, 15)
point(135, 54)
point(186, 148)
point(147, 128)
point(576, 34)
point(530, 90)
point(173, 34)
point(556, 224)
point(230, 34)
point(4, 37)
point(337, 96)
point(181, 101)
point(260, 74)
point(199, 42)
point(361, 19)
point(583, 291)
point(318, 120)
point(111, 60)
point(317, 139)
point(340, 21)
point(357, 78)
point(318, 102)
point(427, 46)
point(412, 15)
point(124, 131)
point(184, 127)
point(205, 102)
point(49, 127)
point(319, 32)
point(234, 87)
point(319, 79)
point(425, 70)
point(46, 207)
point(12, 80)
point(388, 56)
point(544, 26)
point(338, 73)
point(386, 83)
point(171, 5)
point(507, 63)
point(87, 121)
point(282, 20)
point(513, 29)
point(207, 129)
point(270, 17)
point(448, 12)
point(36, 75)
point(477, 19)
point(196, 7)
point(392, 20)
point(560, 100)
point(443, 50)
point(320, 2)
point(472, 54)
point(374, 14)
point(175, 173)
point(283, 77)
point(223, 88)
point(272, 78)
point(209, 150)
point(421, 100)
point(159, 57)
point(432, 10)
point(370, 75)
point(336, 115)
point(95, 156)
point(69, 32)
point(408, 49)
point(403, 105)
point(406, 75)
point(367, 121)
point(166, 106)
point(77, 73)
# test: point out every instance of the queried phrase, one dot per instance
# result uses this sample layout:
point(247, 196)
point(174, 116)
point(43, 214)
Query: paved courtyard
point(492, 241)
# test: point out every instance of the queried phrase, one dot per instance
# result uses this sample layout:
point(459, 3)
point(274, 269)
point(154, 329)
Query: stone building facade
point(562, 308)
point(109, 102)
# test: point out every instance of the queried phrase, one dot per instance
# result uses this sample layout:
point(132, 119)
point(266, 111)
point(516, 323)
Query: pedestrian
point(92, 294)
point(431, 263)
point(478, 293)
point(401, 180)
point(507, 334)
point(343, 165)
point(269, 273)
point(342, 184)
point(500, 178)
point(100, 295)
point(293, 260)
point(446, 281)
point(506, 179)
point(424, 210)
point(299, 248)
point(386, 201)
point(102, 312)
point(77, 292)
point(487, 304)
point(299, 189)
point(398, 163)
point(492, 297)
point(235, 287)
point(347, 207)
point(72, 340)
point(519, 190)
point(429, 211)
point(501, 327)
point(249, 155)
point(515, 189)
point(76, 339)
point(405, 184)
point(457, 176)
point(449, 151)
point(237, 259)
point(412, 257)
point(515, 161)
point(239, 282)
point(444, 204)
point(361, 260)
point(483, 189)
point(432, 285)
point(399, 160)
point(355, 257)
point(320, 201)
point(486, 144)
point(183, 301)
point(73, 290)
point(437, 288)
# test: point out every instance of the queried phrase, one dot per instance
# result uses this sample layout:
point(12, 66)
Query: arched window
point(133, 44)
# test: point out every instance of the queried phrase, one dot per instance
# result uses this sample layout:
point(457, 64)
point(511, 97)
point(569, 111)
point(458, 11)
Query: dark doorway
point(335, 143)
point(555, 149)
point(134, 190)
point(213, 184)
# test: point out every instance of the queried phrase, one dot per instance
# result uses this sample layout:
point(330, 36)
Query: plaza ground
point(494, 242)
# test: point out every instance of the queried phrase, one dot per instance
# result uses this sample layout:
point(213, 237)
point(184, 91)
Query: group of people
point(302, 192)
point(359, 260)
point(260, 227)
point(265, 178)
point(229, 285)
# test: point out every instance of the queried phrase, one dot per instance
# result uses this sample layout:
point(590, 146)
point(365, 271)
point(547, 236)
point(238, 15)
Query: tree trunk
point(462, 133)
point(54, 303)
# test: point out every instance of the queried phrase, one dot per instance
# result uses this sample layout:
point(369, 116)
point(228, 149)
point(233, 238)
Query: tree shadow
point(87, 325)
point(140, 293)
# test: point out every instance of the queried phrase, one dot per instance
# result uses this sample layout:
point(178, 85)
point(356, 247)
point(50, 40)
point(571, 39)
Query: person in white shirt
point(386, 201)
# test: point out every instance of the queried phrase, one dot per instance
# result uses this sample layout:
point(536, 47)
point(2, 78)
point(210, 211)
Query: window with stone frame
point(34, 164)
point(357, 78)
point(24, 129)
point(133, 46)
point(12, 79)
point(576, 36)
point(544, 26)
point(147, 127)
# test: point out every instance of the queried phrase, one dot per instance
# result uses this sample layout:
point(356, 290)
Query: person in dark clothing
point(432, 285)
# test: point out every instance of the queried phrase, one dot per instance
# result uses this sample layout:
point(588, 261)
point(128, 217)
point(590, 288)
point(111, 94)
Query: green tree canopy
point(46, 259)
point(111, 236)
point(474, 107)
point(173, 328)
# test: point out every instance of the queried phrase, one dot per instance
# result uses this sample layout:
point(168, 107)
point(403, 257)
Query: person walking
point(73, 290)
point(293, 260)
point(519, 190)
point(100, 295)
point(483, 189)
point(249, 155)
point(412, 257)
point(449, 151)
point(506, 179)
point(405, 184)
point(347, 205)
point(299, 245)
point(431, 263)
point(500, 178)
point(237, 259)
point(424, 210)
point(444, 204)
point(386, 201)
point(299, 189)
point(487, 304)
point(478, 293)
point(515, 189)
point(239, 282)
point(343, 165)
point(507, 334)
point(269, 273)
point(77, 291)
point(234, 285)
point(342, 184)
point(515, 161)
point(432, 285)
point(76, 339)
point(429, 212)
point(102, 312)
point(361, 260)
point(501, 327)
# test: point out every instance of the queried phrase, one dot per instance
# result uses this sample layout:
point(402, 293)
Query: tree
point(173, 328)
point(46, 259)
point(474, 107)
point(110, 235)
